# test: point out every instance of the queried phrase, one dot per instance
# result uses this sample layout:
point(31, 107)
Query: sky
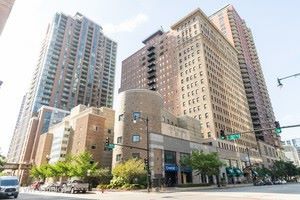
point(275, 26)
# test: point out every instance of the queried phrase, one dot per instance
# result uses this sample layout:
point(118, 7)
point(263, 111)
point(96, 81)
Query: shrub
point(117, 182)
point(102, 186)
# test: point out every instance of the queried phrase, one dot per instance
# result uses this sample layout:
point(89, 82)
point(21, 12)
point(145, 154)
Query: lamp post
point(136, 116)
point(88, 174)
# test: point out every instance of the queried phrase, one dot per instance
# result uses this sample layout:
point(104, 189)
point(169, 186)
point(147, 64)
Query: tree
point(263, 172)
point(204, 163)
point(2, 162)
point(284, 169)
point(41, 172)
point(82, 165)
point(103, 175)
point(131, 171)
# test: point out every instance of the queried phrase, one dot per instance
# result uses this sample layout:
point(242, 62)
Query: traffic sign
point(111, 146)
point(234, 136)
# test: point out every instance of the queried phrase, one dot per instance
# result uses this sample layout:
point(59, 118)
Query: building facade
point(291, 154)
point(234, 28)
point(154, 67)
point(209, 82)
point(170, 138)
point(5, 8)
point(85, 129)
point(294, 142)
point(76, 66)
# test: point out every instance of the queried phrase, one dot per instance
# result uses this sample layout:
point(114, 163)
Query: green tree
point(130, 171)
point(204, 163)
point(82, 165)
point(41, 172)
point(283, 169)
point(262, 171)
point(2, 162)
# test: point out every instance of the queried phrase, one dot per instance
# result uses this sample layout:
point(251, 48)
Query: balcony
point(151, 59)
point(152, 88)
point(151, 65)
point(151, 48)
point(151, 53)
point(151, 82)
point(151, 70)
point(151, 76)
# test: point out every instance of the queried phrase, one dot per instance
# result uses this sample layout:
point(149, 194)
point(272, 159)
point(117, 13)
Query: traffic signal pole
point(268, 129)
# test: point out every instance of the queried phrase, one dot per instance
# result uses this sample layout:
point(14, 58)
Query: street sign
point(234, 136)
point(111, 146)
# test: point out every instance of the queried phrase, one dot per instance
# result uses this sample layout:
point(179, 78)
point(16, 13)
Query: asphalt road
point(274, 192)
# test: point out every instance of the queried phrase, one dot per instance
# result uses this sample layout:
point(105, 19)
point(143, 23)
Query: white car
point(283, 181)
point(9, 186)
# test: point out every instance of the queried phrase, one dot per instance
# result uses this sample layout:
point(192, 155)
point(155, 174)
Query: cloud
point(126, 26)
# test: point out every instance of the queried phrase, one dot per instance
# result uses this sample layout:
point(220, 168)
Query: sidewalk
point(212, 187)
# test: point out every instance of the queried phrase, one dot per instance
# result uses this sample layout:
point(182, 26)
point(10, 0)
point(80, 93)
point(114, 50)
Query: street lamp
point(136, 116)
point(88, 174)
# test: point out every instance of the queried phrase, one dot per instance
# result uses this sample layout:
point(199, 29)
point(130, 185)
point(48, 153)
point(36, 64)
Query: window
point(135, 138)
point(109, 131)
point(118, 157)
point(119, 139)
point(95, 128)
point(136, 155)
point(170, 157)
point(93, 147)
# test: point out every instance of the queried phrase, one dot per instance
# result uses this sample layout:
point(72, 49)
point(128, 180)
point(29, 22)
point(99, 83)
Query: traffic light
point(277, 128)
point(222, 135)
point(107, 141)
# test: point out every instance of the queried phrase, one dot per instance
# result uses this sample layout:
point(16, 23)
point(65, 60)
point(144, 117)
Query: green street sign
point(111, 146)
point(235, 136)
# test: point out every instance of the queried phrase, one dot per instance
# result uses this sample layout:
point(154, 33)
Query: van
point(9, 186)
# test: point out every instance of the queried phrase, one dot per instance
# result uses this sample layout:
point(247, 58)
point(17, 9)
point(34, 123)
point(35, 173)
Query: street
point(273, 192)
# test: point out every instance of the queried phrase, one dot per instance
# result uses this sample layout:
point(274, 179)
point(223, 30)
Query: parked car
point(75, 186)
point(9, 186)
point(46, 187)
point(283, 181)
point(268, 182)
point(57, 187)
point(277, 182)
point(258, 183)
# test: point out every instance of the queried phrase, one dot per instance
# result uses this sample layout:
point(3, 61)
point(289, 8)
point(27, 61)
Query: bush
point(102, 186)
point(194, 185)
point(117, 182)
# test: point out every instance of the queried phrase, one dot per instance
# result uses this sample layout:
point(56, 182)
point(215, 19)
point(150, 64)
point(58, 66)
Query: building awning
point(237, 171)
point(186, 169)
point(230, 172)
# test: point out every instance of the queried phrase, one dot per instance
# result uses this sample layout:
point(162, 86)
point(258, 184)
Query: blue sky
point(275, 25)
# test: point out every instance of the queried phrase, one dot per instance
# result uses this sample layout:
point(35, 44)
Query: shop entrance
point(170, 178)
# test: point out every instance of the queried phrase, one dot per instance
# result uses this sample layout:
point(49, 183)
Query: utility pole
point(136, 116)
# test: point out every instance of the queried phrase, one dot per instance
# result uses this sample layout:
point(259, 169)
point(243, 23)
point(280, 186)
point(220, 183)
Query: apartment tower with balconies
point(236, 31)
point(76, 66)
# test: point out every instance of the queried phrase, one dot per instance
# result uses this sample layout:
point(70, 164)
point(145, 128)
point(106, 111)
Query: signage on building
point(171, 167)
